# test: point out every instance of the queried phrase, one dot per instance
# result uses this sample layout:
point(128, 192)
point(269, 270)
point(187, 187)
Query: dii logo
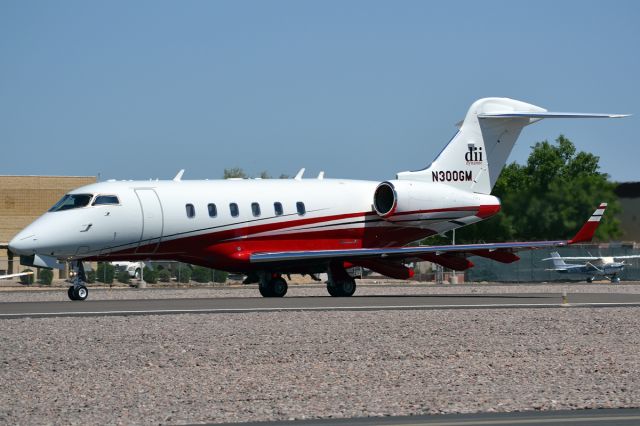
point(473, 156)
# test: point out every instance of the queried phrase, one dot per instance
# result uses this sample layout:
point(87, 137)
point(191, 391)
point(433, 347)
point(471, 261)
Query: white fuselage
point(176, 220)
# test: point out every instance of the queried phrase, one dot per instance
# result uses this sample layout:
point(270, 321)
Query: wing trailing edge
point(491, 250)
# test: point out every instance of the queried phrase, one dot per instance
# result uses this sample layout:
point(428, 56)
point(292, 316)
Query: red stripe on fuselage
point(230, 249)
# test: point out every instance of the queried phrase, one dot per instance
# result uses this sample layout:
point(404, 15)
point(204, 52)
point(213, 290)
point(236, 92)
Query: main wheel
point(279, 287)
point(589, 280)
point(265, 289)
point(615, 280)
point(275, 287)
point(343, 288)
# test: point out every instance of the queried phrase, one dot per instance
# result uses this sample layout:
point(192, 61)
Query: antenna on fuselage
point(300, 174)
point(178, 177)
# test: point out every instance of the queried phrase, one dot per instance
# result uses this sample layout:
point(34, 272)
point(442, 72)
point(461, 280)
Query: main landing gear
point(340, 283)
point(78, 291)
point(272, 285)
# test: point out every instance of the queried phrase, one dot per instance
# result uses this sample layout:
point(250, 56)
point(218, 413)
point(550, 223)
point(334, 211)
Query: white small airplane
point(604, 266)
point(270, 228)
point(21, 274)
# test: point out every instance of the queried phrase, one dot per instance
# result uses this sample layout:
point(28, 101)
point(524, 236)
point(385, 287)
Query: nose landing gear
point(78, 291)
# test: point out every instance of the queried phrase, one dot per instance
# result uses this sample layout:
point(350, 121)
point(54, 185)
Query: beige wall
point(24, 198)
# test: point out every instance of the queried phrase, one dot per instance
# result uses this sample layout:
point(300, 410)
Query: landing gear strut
point(78, 291)
point(340, 283)
point(272, 285)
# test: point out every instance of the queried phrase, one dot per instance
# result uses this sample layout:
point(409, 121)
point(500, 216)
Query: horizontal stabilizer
point(547, 114)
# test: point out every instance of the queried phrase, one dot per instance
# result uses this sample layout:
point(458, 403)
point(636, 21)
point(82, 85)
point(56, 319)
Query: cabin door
point(152, 221)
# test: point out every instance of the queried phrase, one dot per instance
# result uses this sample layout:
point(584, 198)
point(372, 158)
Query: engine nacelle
point(414, 200)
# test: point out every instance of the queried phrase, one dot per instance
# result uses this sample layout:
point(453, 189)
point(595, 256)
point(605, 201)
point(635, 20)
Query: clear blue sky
point(360, 89)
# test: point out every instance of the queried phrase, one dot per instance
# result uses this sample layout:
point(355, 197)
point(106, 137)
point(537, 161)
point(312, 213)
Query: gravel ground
point(292, 365)
point(44, 294)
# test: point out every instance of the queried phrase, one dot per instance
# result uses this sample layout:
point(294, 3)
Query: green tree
point(220, 276)
point(548, 198)
point(26, 279)
point(201, 274)
point(45, 276)
point(150, 275)
point(164, 276)
point(234, 172)
point(105, 273)
point(123, 277)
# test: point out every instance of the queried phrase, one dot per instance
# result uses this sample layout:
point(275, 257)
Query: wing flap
point(397, 252)
point(485, 250)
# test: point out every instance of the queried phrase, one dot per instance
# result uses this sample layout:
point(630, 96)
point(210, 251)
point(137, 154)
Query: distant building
point(629, 196)
point(25, 198)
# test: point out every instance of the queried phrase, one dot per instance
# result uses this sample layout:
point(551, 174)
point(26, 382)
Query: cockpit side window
point(102, 200)
point(72, 201)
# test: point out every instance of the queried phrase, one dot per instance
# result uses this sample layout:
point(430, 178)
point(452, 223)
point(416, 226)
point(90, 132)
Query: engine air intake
point(385, 199)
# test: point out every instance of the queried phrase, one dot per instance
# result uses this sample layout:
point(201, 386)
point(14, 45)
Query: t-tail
point(558, 262)
point(475, 156)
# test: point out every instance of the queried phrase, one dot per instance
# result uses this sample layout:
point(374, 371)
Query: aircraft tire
point(279, 287)
point(82, 292)
point(276, 287)
point(71, 293)
point(589, 280)
point(343, 288)
point(265, 290)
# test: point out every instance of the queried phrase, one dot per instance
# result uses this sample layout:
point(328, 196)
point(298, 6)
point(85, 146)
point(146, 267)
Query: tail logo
point(473, 156)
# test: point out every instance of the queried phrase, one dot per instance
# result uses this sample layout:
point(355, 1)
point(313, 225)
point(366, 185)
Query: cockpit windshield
point(72, 201)
point(102, 200)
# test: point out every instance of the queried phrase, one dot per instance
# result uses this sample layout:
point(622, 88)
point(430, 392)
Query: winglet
point(178, 177)
point(589, 228)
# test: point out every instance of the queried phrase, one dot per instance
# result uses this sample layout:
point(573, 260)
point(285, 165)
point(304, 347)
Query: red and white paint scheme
point(267, 228)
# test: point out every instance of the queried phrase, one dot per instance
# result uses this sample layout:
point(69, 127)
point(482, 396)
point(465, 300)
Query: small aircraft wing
point(6, 277)
point(502, 252)
point(585, 258)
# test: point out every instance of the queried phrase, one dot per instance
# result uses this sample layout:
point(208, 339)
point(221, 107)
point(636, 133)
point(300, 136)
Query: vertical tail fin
point(474, 158)
point(589, 228)
point(558, 262)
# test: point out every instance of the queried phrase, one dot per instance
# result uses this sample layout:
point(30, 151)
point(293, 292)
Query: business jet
point(605, 266)
point(270, 228)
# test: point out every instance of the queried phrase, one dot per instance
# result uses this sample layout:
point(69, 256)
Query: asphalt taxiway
point(314, 303)
point(610, 417)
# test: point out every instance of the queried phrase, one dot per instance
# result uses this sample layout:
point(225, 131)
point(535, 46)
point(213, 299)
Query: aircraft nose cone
point(23, 244)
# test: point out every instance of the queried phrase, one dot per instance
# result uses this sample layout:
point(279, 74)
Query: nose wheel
point(77, 293)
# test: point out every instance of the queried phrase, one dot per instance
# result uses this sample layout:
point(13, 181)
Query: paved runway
point(259, 304)
point(618, 417)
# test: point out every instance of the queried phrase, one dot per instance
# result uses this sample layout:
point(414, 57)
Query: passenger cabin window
point(255, 209)
point(191, 211)
point(277, 208)
point(300, 207)
point(233, 208)
point(72, 201)
point(103, 200)
point(213, 210)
